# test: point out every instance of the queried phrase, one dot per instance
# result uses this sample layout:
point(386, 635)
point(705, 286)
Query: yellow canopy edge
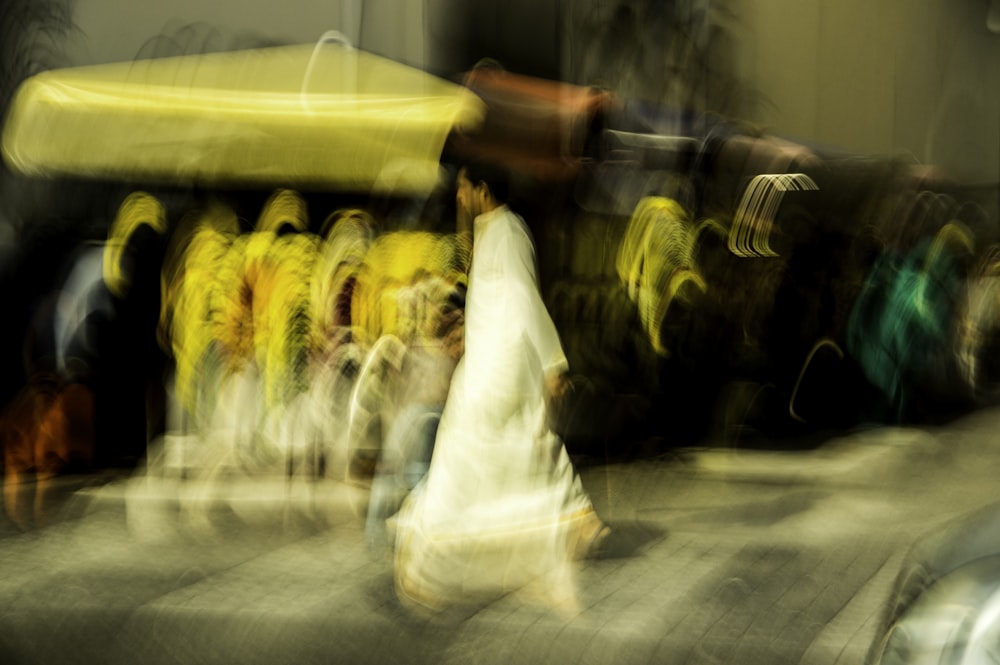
point(329, 117)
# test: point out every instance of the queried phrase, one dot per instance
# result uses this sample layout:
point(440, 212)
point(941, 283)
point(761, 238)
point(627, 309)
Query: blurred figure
point(92, 379)
point(47, 430)
point(420, 368)
point(239, 321)
point(128, 386)
point(337, 358)
point(901, 327)
point(501, 507)
point(402, 280)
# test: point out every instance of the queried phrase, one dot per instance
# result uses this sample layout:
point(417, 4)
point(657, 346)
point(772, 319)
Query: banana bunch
point(276, 281)
point(197, 304)
point(657, 262)
point(138, 209)
point(283, 318)
point(383, 302)
point(281, 301)
point(347, 235)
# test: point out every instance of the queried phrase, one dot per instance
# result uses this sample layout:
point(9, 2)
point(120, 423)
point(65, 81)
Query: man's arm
point(540, 330)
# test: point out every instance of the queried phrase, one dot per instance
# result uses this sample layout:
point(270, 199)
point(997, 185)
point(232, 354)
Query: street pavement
point(719, 555)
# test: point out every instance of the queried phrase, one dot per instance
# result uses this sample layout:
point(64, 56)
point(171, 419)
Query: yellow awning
point(328, 117)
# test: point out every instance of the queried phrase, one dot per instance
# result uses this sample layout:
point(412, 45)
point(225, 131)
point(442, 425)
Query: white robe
point(501, 502)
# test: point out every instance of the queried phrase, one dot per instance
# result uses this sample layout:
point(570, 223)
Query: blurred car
point(945, 604)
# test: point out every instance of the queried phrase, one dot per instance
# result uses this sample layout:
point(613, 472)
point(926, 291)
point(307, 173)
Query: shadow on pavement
point(628, 539)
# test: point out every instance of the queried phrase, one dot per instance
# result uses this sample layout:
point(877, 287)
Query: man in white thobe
point(501, 507)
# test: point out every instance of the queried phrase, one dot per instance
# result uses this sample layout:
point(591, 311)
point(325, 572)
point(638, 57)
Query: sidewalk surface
point(720, 556)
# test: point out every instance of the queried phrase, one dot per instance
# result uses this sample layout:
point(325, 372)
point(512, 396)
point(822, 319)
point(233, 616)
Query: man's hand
point(454, 338)
point(557, 388)
point(557, 384)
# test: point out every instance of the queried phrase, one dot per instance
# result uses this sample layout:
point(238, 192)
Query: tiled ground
point(733, 557)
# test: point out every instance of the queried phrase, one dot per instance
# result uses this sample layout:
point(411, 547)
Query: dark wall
point(525, 36)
